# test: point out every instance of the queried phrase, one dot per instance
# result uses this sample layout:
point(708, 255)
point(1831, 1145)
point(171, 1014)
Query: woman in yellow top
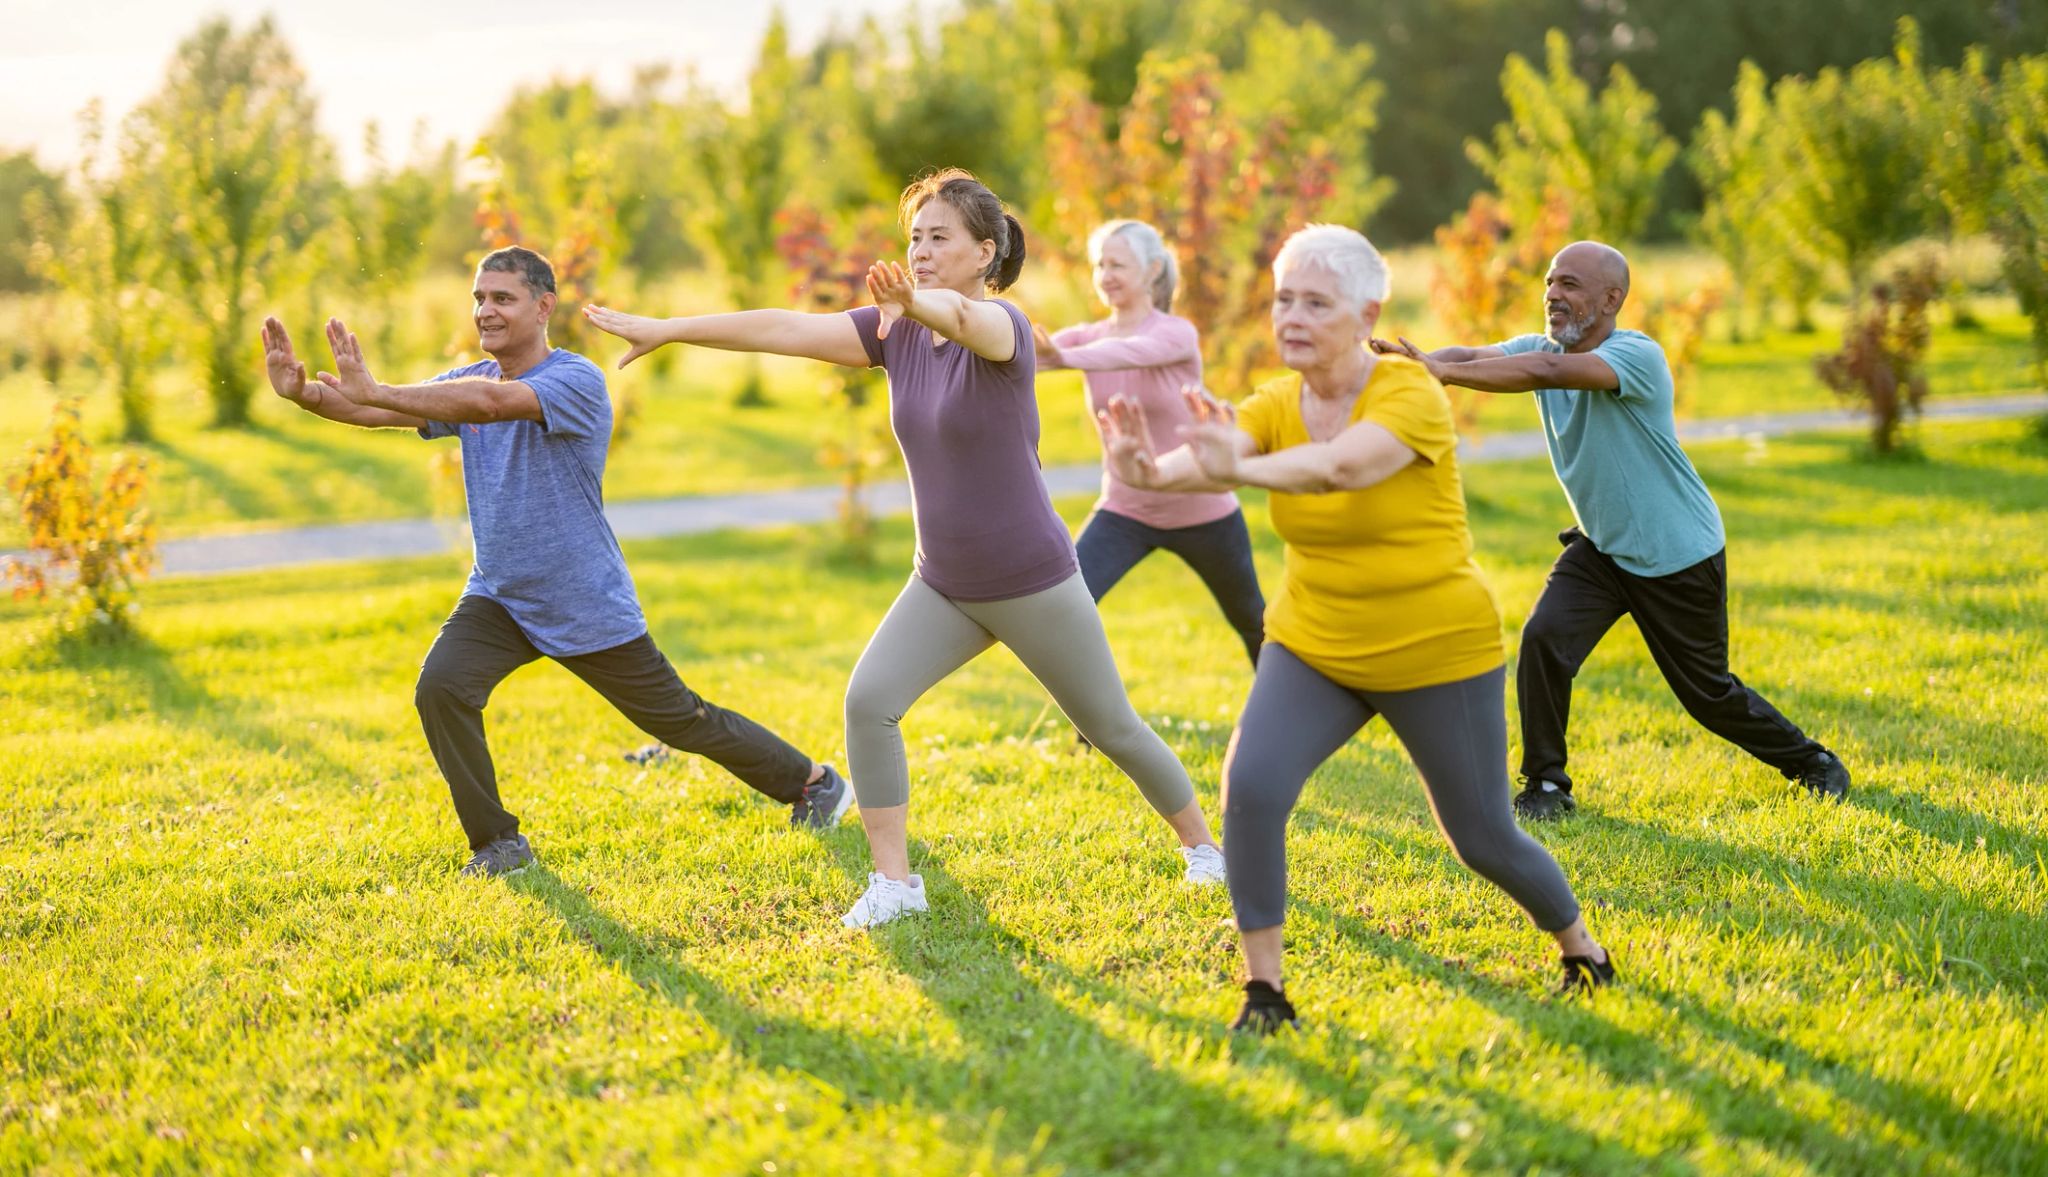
point(1381, 610)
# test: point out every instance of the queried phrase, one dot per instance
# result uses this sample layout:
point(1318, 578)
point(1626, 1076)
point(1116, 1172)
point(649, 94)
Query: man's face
point(1574, 300)
point(508, 317)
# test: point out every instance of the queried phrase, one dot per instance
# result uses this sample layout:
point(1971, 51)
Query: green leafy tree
point(1850, 152)
point(1605, 153)
point(238, 174)
point(1735, 162)
point(24, 186)
point(742, 162)
point(386, 223)
point(2018, 208)
point(103, 255)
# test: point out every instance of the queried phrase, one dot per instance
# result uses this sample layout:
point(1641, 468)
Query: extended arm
point(829, 337)
point(288, 378)
point(1127, 448)
point(1489, 369)
point(978, 325)
point(1115, 353)
point(475, 400)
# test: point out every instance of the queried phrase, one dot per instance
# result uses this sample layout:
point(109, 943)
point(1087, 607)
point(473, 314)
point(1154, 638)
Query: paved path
point(653, 518)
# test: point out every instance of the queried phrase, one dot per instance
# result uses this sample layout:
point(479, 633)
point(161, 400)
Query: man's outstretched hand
point(287, 373)
point(351, 376)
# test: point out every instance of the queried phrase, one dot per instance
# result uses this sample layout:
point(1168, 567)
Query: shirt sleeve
point(1412, 406)
point(1522, 343)
point(1638, 364)
point(1076, 335)
point(1023, 351)
point(573, 402)
point(1259, 416)
point(1173, 343)
point(867, 321)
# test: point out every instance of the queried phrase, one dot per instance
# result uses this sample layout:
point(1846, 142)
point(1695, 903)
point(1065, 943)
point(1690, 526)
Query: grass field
point(293, 468)
point(234, 939)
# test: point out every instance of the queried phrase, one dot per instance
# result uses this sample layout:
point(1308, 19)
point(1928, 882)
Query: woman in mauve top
point(1143, 352)
point(1381, 610)
point(994, 563)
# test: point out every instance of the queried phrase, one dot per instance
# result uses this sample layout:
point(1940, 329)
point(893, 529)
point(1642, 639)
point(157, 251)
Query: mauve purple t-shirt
point(986, 530)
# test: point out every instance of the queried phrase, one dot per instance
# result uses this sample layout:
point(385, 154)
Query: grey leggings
point(1455, 733)
point(1055, 632)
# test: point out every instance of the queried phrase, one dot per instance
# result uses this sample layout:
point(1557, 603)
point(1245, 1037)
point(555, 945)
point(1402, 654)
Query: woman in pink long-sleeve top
point(1143, 351)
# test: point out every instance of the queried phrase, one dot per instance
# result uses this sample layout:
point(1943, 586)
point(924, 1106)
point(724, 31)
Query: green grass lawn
point(234, 938)
point(292, 468)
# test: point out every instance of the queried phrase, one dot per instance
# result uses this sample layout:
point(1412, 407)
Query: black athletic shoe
point(1543, 800)
point(503, 857)
point(648, 755)
point(1824, 776)
point(823, 803)
point(1266, 1010)
point(1583, 974)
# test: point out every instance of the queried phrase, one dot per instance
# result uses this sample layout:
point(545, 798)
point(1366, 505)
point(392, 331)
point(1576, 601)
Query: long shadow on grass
point(1735, 1110)
point(141, 668)
point(1047, 1082)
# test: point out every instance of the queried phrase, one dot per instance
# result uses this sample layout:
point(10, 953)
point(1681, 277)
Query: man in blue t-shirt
point(535, 423)
point(1648, 543)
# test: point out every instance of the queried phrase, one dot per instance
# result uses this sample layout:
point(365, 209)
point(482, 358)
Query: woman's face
point(942, 254)
point(1313, 322)
point(1120, 282)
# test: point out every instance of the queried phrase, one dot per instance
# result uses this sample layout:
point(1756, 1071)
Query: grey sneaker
point(648, 755)
point(823, 803)
point(506, 856)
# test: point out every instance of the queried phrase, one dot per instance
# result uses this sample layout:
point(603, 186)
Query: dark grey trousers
point(480, 644)
point(1455, 733)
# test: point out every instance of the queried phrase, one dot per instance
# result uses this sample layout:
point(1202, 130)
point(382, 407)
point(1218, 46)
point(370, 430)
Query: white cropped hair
point(1360, 271)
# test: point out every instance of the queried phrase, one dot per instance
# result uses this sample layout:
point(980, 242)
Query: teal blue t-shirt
point(1633, 491)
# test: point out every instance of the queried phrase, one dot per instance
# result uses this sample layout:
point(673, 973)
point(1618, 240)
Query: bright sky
point(392, 61)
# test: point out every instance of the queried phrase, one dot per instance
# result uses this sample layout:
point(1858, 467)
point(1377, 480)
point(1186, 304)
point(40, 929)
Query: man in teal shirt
point(1648, 543)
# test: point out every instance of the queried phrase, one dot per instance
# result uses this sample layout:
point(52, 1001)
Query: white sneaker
point(1205, 865)
point(884, 900)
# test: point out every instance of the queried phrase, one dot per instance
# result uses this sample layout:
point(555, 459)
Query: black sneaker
point(505, 856)
point(1583, 974)
point(1266, 1010)
point(823, 802)
point(648, 755)
point(1543, 800)
point(1824, 776)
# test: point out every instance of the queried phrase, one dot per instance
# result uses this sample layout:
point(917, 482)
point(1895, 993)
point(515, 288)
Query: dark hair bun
point(1012, 262)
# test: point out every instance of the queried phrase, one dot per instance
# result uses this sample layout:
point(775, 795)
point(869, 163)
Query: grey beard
point(1572, 331)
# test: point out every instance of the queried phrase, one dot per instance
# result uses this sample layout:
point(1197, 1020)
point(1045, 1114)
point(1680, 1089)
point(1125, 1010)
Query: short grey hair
point(532, 268)
point(1144, 241)
point(1344, 253)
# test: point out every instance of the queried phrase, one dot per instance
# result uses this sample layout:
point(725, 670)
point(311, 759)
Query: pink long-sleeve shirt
point(1150, 363)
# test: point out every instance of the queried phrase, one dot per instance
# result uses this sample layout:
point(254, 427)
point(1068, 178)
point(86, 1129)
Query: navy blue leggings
point(1220, 552)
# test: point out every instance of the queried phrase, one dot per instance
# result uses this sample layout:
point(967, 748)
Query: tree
point(104, 256)
point(91, 542)
point(1849, 151)
point(742, 161)
point(24, 186)
point(238, 174)
point(385, 223)
point(1606, 155)
point(2018, 215)
point(1734, 161)
point(1225, 164)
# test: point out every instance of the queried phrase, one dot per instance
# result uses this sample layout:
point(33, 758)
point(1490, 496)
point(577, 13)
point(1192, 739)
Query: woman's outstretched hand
point(643, 333)
point(1212, 435)
point(890, 286)
point(1127, 444)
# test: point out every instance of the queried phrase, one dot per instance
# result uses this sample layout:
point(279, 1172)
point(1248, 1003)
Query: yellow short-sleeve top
point(1380, 591)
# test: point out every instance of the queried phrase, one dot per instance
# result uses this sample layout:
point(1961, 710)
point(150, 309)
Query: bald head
point(1587, 284)
point(1596, 264)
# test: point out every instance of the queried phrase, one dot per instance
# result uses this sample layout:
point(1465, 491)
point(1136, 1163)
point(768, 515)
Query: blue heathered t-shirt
point(536, 511)
point(1632, 489)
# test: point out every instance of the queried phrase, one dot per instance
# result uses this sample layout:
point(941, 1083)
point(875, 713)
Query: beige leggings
point(1055, 632)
